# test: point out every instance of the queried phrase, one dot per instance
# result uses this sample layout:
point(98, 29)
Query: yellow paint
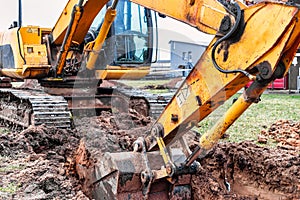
point(119, 72)
point(210, 138)
point(30, 61)
point(63, 56)
point(212, 87)
point(206, 15)
point(162, 148)
point(90, 10)
point(95, 51)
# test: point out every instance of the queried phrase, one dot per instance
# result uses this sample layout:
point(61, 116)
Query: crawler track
point(155, 102)
point(22, 108)
point(29, 107)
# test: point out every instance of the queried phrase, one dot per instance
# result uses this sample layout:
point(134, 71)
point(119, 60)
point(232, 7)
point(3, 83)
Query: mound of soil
point(37, 163)
point(230, 171)
point(285, 132)
point(248, 171)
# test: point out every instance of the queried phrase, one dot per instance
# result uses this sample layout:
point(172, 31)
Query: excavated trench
point(39, 162)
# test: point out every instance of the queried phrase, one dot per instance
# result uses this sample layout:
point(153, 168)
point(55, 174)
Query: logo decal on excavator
point(183, 94)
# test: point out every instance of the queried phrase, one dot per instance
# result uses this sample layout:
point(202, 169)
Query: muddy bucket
point(118, 176)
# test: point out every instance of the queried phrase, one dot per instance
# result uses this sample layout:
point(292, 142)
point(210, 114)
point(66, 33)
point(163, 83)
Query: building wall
point(293, 74)
point(184, 55)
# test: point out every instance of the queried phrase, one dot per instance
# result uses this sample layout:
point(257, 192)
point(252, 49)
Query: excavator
point(254, 43)
point(85, 46)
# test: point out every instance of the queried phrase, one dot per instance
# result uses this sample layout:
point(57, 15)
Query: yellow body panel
point(27, 57)
point(204, 15)
point(115, 72)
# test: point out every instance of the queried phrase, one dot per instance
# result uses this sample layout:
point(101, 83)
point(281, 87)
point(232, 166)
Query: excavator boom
point(90, 10)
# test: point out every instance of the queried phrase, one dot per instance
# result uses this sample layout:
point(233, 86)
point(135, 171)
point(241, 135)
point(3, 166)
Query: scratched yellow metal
point(69, 40)
point(97, 45)
point(162, 148)
point(208, 88)
point(91, 9)
point(31, 50)
point(206, 15)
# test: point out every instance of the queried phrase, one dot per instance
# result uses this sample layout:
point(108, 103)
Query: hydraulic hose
point(225, 37)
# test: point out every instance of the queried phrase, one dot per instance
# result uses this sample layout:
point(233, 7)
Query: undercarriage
point(56, 104)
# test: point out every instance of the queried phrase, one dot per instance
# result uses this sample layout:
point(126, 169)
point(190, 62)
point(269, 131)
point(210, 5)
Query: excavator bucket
point(124, 170)
point(119, 176)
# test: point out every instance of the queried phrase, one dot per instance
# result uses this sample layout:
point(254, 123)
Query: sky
point(35, 12)
point(44, 13)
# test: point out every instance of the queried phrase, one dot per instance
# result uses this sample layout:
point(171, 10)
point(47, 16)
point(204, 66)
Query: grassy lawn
point(271, 108)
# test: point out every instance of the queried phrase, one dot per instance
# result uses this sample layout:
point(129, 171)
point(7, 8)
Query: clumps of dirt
point(285, 132)
point(113, 132)
point(31, 84)
point(109, 132)
point(248, 171)
point(37, 163)
point(230, 171)
point(156, 87)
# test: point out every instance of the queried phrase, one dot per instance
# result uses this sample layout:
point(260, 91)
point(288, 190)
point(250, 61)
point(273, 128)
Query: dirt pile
point(230, 171)
point(113, 132)
point(106, 133)
point(248, 171)
point(285, 132)
point(37, 164)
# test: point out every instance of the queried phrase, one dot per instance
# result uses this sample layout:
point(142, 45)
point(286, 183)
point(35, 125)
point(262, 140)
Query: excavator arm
point(256, 43)
point(253, 49)
point(250, 50)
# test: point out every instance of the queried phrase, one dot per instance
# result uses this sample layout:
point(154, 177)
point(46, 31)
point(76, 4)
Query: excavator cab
point(128, 49)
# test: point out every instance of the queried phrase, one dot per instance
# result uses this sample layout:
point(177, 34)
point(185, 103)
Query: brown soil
point(251, 171)
point(37, 164)
point(39, 161)
point(31, 84)
point(285, 132)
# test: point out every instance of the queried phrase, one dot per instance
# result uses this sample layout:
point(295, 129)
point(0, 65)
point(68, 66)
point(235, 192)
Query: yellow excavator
point(252, 43)
point(85, 46)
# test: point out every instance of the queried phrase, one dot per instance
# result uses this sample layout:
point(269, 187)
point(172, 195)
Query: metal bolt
point(169, 169)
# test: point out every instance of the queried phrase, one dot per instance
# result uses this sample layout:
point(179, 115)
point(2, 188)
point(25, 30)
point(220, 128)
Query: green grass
point(8, 168)
point(10, 188)
point(4, 130)
point(257, 117)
